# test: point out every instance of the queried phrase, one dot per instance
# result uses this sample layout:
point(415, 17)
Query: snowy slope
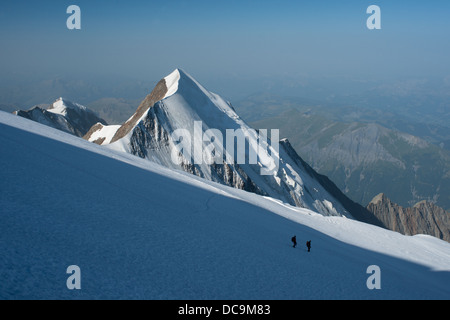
point(139, 230)
point(177, 103)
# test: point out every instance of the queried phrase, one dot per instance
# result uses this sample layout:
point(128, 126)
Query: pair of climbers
point(294, 241)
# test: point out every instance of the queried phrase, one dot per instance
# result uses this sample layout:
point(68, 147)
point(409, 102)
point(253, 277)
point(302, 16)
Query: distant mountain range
point(365, 159)
point(418, 107)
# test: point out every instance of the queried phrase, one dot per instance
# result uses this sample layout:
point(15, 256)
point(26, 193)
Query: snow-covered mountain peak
point(64, 115)
point(172, 82)
point(61, 105)
point(194, 102)
point(180, 104)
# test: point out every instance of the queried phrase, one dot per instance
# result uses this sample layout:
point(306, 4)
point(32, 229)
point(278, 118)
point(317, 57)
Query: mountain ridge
point(364, 159)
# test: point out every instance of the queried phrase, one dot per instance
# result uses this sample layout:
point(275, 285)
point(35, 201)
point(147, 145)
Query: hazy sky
point(229, 39)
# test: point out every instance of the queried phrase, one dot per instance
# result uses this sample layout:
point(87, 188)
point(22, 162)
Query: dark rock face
point(153, 134)
point(422, 218)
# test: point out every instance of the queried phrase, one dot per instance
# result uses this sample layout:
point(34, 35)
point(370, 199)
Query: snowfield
point(138, 230)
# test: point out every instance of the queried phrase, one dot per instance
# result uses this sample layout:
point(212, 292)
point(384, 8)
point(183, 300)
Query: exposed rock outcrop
point(422, 218)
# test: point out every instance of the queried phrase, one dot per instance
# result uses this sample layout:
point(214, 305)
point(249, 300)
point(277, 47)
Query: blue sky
point(148, 39)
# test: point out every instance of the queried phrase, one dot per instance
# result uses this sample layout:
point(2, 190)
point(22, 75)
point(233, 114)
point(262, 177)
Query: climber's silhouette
point(294, 241)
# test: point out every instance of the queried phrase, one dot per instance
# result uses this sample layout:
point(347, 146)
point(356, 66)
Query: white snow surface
point(106, 132)
point(138, 230)
point(172, 83)
point(61, 105)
